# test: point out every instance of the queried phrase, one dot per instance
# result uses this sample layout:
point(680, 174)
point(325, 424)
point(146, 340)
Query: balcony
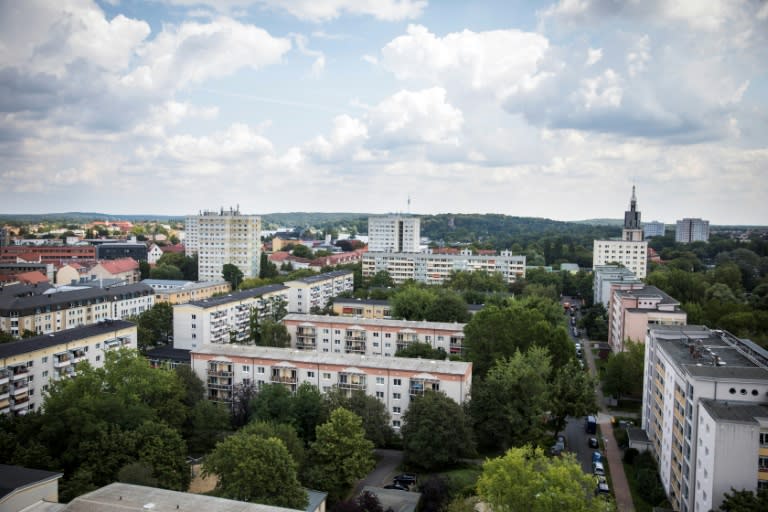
point(20, 404)
point(352, 381)
point(306, 342)
point(5, 377)
point(5, 392)
point(418, 387)
point(20, 389)
point(61, 361)
point(77, 355)
point(20, 372)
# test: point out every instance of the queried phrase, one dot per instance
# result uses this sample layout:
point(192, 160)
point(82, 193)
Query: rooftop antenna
point(409, 204)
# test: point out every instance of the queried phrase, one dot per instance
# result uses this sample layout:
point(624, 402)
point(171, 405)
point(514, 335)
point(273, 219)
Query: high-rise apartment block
point(655, 228)
point(224, 237)
point(692, 230)
point(705, 411)
point(394, 233)
point(631, 250)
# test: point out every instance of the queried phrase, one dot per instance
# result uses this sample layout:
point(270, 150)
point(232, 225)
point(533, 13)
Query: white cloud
point(321, 10)
point(594, 56)
point(194, 52)
point(500, 62)
point(319, 63)
point(238, 141)
point(169, 114)
point(638, 57)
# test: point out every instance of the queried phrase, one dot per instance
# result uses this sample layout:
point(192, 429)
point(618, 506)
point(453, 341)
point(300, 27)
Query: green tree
point(435, 432)
point(155, 325)
point(381, 279)
point(257, 469)
point(273, 334)
point(422, 351)
point(744, 501)
point(572, 393)
point(267, 269)
point(412, 303)
point(448, 306)
point(232, 274)
point(144, 269)
point(282, 431)
point(526, 479)
point(624, 371)
point(371, 411)
point(508, 406)
point(302, 251)
point(208, 423)
point(272, 403)
point(163, 271)
point(308, 411)
point(162, 448)
point(340, 454)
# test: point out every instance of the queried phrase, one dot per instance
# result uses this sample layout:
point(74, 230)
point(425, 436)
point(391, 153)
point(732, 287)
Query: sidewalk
point(613, 454)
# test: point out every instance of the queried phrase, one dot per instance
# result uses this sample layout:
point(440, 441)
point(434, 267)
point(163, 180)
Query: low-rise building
point(314, 293)
point(365, 308)
point(154, 253)
point(706, 414)
point(24, 488)
point(393, 380)
point(631, 312)
point(124, 269)
point(181, 292)
point(43, 309)
point(370, 336)
point(225, 318)
point(28, 366)
point(437, 268)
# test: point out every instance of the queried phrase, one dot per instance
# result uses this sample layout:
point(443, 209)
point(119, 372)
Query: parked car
point(592, 441)
point(598, 469)
point(597, 456)
point(602, 489)
point(405, 479)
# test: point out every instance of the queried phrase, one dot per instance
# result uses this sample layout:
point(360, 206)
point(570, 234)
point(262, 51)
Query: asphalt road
point(387, 464)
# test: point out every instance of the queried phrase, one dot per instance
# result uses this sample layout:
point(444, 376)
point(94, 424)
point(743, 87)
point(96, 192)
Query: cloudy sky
point(548, 109)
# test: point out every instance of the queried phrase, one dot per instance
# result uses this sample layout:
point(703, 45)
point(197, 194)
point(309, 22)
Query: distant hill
point(599, 222)
point(82, 217)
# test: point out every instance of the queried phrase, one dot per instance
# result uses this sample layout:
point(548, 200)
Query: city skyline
point(550, 109)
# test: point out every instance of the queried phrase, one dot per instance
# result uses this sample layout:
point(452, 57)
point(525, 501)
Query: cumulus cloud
point(321, 10)
point(594, 56)
point(319, 63)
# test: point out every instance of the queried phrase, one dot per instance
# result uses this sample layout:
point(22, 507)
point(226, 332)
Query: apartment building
point(393, 380)
point(370, 336)
point(192, 234)
point(222, 237)
point(365, 308)
point(607, 278)
point(43, 309)
point(27, 367)
point(46, 253)
point(437, 268)
point(226, 318)
point(394, 233)
point(655, 228)
point(692, 230)
point(705, 394)
point(125, 269)
point(181, 292)
point(630, 250)
point(313, 293)
point(632, 311)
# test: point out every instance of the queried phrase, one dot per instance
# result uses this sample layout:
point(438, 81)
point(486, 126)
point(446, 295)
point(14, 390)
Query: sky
point(548, 109)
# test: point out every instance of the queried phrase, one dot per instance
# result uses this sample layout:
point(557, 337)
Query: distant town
point(371, 363)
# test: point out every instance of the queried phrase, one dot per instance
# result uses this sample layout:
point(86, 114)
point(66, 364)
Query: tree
point(232, 274)
point(508, 406)
point(282, 431)
point(340, 454)
point(370, 409)
point(267, 269)
point(624, 371)
point(272, 403)
point(144, 269)
point(422, 351)
point(208, 423)
point(308, 411)
point(572, 393)
point(155, 325)
point(256, 469)
point(381, 279)
point(411, 303)
point(162, 271)
point(448, 306)
point(273, 334)
point(744, 501)
point(302, 251)
point(526, 479)
point(435, 432)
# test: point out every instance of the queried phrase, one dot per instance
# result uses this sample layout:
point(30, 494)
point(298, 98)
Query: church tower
point(633, 229)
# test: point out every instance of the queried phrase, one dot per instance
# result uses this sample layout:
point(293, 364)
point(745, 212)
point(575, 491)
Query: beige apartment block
point(27, 367)
point(395, 381)
point(315, 292)
point(631, 312)
point(365, 308)
point(181, 292)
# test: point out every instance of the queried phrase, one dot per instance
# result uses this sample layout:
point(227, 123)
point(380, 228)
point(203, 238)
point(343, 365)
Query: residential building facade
point(631, 250)
point(181, 292)
point(154, 253)
point(392, 380)
point(46, 253)
point(115, 251)
point(225, 237)
point(370, 336)
point(314, 293)
point(437, 268)
point(28, 366)
point(394, 233)
point(654, 228)
point(607, 278)
point(44, 310)
point(224, 319)
point(365, 308)
point(631, 312)
point(704, 400)
point(692, 230)
point(124, 269)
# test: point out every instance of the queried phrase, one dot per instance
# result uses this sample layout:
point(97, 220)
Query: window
point(375, 335)
point(763, 438)
point(98, 358)
point(246, 368)
point(396, 410)
point(396, 396)
point(194, 326)
point(380, 382)
point(380, 395)
point(260, 369)
point(45, 374)
point(194, 335)
point(45, 359)
point(396, 423)
point(397, 382)
point(311, 375)
point(327, 375)
point(387, 335)
point(194, 317)
point(98, 346)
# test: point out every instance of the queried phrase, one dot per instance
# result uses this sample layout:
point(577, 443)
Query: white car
point(597, 469)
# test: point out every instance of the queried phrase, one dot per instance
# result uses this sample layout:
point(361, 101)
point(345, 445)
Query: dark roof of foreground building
point(25, 346)
point(18, 477)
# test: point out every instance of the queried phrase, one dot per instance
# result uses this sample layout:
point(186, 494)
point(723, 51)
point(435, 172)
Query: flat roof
point(369, 302)
point(711, 353)
point(168, 353)
point(10, 302)
point(320, 358)
point(120, 497)
point(649, 291)
point(735, 411)
point(236, 296)
point(15, 348)
point(16, 477)
point(323, 277)
point(381, 322)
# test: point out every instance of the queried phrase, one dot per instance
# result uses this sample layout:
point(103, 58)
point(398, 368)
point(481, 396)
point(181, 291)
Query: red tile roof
point(120, 265)
point(178, 248)
point(32, 277)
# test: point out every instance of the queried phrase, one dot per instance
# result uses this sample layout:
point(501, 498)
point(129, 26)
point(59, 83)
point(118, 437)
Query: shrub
point(629, 455)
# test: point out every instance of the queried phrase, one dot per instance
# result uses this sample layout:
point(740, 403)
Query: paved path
point(618, 479)
point(387, 464)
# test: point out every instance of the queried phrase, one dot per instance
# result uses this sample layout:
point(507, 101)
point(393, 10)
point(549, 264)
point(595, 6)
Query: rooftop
point(323, 277)
point(369, 302)
point(15, 348)
point(734, 411)
point(712, 354)
point(648, 292)
point(16, 477)
point(168, 353)
point(36, 298)
point(402, 324)
point(338, 359)
point(238, 296)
